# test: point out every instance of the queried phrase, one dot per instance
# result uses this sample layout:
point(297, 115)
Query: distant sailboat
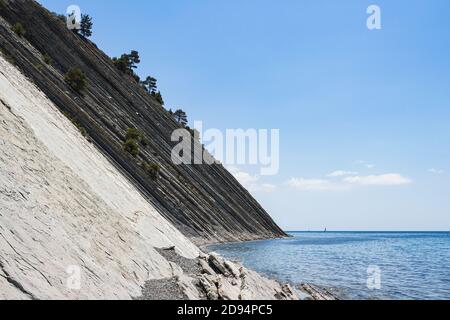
point(325, 230)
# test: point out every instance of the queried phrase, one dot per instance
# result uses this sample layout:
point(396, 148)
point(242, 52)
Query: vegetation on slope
point(76, 78)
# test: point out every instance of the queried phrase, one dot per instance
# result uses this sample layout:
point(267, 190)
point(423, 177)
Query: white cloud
point(243, 177)
point(390, 179)
point(313, 184)
point(341, 173)
point(348, 182)
point(436, 171)
point(251, 182)
point(370, 166)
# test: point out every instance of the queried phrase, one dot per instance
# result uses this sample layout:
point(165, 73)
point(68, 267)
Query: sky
point(363, 114)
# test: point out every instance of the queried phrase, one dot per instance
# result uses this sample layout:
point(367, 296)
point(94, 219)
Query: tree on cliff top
point(134, 59)
point(149, 84)
point(86, 25)
point(180, 117)
point(127, 62)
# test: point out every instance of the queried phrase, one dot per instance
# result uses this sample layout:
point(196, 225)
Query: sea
point(354, 265)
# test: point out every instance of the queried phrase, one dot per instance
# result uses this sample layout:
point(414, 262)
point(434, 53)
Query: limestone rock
point(231, 267)
point(217, 264)
point(186, 195)
point(205, 267)
point(209, 286)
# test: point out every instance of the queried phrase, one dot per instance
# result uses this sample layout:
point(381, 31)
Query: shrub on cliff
point(158, 97)
point(60, 17)
point(47, 59)
point(39, 67)
point(136, 78)
point(136, 135)
point(152, 169)
point(19, 29)
point(133, 134)
point(131, 147)
point(76, 78)
point(121, 63)
point(7, 56)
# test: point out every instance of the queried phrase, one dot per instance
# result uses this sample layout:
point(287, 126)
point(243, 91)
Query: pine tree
point(86, 25)
point(127, 62)
point(180, 117)
point(122, 63)
point(149, 84)
point(134, 59)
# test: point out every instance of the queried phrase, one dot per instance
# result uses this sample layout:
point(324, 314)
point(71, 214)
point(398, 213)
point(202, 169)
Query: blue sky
point(372, 104)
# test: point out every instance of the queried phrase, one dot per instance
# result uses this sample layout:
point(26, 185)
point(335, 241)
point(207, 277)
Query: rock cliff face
point(204, 202)
point(73, 227)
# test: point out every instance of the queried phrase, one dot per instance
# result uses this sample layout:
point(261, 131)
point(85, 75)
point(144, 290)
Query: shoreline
point(212, 277)
point(304, 291)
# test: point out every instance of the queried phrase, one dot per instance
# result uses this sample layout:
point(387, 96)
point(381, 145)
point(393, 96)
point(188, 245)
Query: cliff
point(73, 227)
point(204, 202)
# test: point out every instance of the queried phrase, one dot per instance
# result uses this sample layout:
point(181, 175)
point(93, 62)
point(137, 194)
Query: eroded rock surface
point(210, 277)
point(64, 208)
point(205, 202)
point(79, 218)
point(73, 227)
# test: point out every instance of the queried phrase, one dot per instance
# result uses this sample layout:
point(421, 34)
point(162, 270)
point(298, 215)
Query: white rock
point(205, 267)
point(232, 268)
point(72, 226)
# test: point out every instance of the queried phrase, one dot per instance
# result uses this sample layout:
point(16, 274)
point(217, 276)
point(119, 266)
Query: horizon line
point(374, 231)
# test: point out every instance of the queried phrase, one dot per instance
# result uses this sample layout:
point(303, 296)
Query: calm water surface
point(413, 265)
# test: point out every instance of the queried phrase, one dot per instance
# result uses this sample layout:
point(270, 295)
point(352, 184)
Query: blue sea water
point(411, 265)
